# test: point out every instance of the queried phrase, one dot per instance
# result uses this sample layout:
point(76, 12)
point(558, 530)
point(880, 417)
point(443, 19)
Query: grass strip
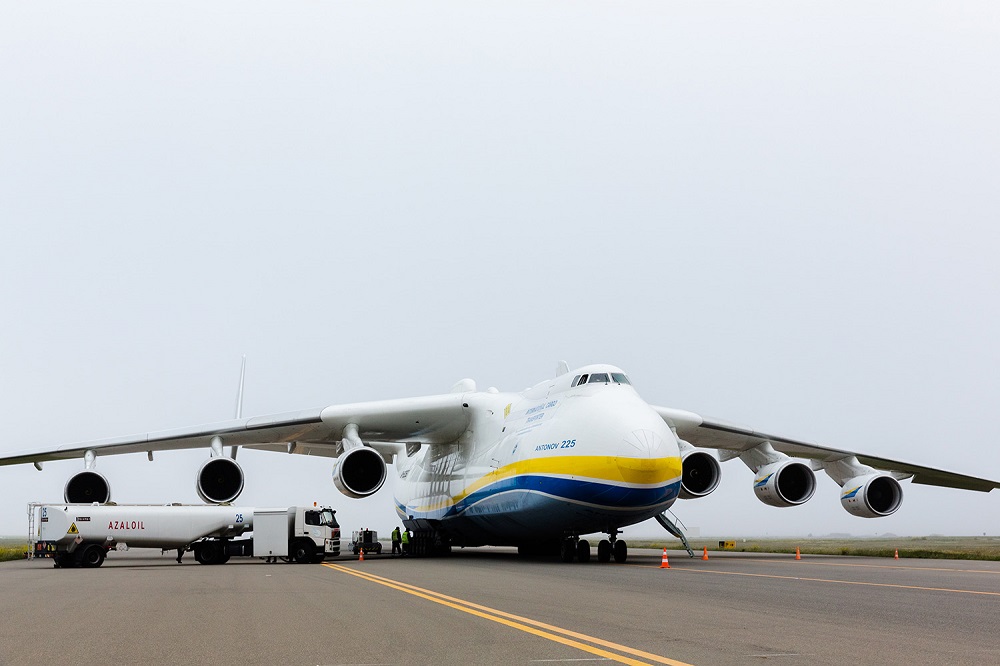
point(12, 552)
point(939, 548)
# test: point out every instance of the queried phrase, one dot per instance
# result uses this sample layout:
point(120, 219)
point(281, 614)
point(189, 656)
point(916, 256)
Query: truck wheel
point(208, 552)
point(302, 551)
point(92, 556)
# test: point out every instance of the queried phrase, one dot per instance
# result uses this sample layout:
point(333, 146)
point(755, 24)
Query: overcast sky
point(784, 214)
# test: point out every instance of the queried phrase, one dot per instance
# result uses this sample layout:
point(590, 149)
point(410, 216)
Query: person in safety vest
point(406, 542)
point(396, 541)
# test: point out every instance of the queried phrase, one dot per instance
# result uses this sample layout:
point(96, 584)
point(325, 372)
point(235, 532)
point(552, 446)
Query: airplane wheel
point(583, 550)
point(604, 551)
point(620, 551)
point(567, 549)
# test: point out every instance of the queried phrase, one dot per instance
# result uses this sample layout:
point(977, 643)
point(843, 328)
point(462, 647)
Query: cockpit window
point(583, 380)
point(598, 377)
point(620, 378)
point(576, 380)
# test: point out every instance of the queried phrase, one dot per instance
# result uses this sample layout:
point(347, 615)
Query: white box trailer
point(82, 534)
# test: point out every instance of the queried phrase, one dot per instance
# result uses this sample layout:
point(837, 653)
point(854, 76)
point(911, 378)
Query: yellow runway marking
point(516, 621)
point(807, 560)
point(842, 582)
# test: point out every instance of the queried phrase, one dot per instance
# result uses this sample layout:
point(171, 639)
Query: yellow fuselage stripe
point(516, 621)
point(645, 471)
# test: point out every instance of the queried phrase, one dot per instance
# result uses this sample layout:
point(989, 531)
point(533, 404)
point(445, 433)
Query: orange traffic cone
point(664, 563)
point(897, 554)
point(797, 555)
point(704, 552)
point(361, 555)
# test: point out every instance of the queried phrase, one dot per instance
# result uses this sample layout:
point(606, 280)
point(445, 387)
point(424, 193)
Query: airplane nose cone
point(647, 456)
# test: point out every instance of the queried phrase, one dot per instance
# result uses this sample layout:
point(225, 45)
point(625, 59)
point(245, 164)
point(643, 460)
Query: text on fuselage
point(564, 444)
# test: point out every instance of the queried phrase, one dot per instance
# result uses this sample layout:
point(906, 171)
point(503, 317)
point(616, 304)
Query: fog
point(782, 214)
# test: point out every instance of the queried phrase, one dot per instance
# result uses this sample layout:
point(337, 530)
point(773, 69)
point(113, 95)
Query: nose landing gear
point(612, 547)
point(619, 549)
point(574, 547)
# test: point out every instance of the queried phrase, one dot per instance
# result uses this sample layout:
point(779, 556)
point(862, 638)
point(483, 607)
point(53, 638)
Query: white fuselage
point(551, 461)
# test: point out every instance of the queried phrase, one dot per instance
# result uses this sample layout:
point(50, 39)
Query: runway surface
point(487, 606)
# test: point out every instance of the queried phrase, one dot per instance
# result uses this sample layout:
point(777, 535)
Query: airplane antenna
point(239, 401)
point(239, 395)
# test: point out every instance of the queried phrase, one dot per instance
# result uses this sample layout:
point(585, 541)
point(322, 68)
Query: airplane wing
point(425, 420)
point(715, 434)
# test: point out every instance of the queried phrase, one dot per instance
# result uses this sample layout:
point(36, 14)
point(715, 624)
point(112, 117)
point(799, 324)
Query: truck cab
point(315, 524)
point(301, 534)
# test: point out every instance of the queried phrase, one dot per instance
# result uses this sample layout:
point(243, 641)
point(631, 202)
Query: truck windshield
point(328, 519)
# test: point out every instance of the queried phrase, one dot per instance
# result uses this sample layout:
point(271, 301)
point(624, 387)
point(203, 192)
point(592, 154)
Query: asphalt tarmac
point(487, 606)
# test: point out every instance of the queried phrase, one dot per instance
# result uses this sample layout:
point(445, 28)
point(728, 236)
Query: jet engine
point(784, 483)
point(86, 487)
point(219, 480)
point(359, 472)
point(871, 496)
point(700, 474)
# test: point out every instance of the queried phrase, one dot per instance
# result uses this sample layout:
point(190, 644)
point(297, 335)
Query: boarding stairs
point(673, 526)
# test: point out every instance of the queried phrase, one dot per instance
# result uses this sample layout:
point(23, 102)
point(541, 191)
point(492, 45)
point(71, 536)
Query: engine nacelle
point(219, 480)
point(784, 483)
point(700, 474)
point(359, 472)
point(86, 487)
point(871, 496)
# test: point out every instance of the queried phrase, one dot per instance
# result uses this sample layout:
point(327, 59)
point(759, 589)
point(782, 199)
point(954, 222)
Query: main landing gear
point(574, 548)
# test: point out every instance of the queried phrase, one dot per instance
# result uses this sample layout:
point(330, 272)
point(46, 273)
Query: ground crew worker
point(396, 539)
point(406, 542)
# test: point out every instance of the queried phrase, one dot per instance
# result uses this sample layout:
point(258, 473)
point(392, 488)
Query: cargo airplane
point(579, 454)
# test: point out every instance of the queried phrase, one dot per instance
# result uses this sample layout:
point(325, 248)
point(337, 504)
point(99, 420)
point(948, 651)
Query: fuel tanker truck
point(80, 535)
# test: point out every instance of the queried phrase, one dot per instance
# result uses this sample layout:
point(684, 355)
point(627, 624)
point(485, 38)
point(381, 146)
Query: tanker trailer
point(82, 534)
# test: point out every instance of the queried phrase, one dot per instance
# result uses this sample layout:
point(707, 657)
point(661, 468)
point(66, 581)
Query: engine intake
point(700, 474)
point(86, 487)
point(219, 480)
point(784, 483)
point(871, 496)
point(359, 472)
